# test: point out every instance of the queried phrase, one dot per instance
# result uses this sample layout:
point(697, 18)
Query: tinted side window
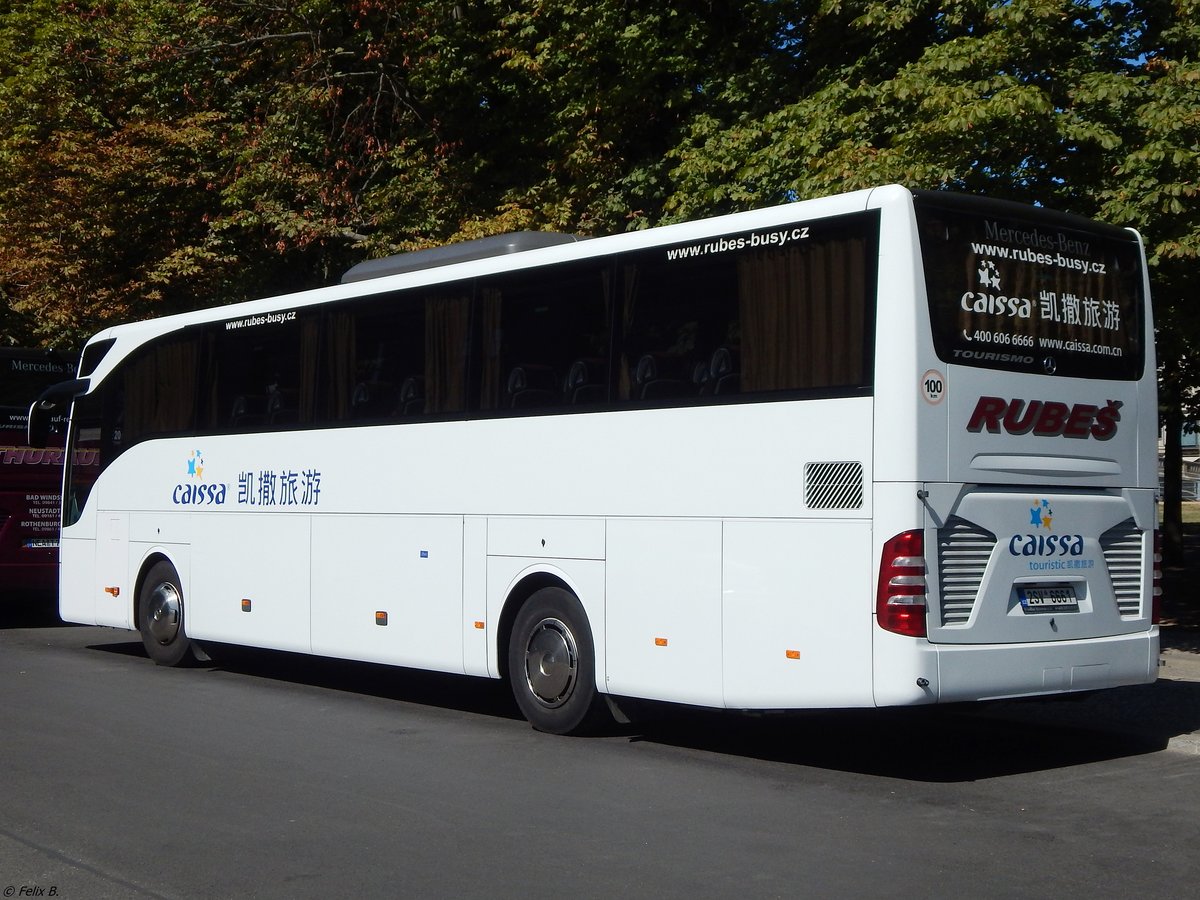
point(98, 439)
point(396, 357)
point(155, 391)
point(544, 339)
point(262, 373)
point(752, 314)
point(674, 318)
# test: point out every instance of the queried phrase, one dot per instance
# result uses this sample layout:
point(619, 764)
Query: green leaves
point(157, 155)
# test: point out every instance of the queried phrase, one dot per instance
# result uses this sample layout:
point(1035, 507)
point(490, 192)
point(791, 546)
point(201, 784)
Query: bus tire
point(160, 617)
point(552, 664)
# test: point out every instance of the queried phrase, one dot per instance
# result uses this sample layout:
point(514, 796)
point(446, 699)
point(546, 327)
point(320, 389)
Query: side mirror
point(54, 398)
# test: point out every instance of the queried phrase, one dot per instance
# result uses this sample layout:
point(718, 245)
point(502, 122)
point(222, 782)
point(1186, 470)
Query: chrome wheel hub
point(551, 663)
point(164, 613)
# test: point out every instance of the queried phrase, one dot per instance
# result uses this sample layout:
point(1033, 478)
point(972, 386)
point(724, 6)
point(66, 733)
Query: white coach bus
point(885, 448)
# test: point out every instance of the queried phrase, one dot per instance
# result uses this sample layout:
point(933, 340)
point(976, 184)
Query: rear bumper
point(1021, 670)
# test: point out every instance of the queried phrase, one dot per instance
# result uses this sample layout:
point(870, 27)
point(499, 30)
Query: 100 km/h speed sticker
point(933, 387)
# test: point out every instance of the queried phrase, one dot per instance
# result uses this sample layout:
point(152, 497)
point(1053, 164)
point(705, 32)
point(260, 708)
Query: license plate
point(1047, 599)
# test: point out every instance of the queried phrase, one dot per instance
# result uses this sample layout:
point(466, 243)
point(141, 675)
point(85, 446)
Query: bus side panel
point(115, 573)
point(908, 434)
point(797, 614)
point(250, 580)
point(76, 589)
point(407, 568)
point(583, 577)
point(664, 610)
point(474, 596)
point(153, 536)
point(905, 670)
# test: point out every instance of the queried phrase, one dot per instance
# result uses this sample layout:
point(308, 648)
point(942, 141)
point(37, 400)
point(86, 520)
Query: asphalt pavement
point(277, 775)
point(1180, 662)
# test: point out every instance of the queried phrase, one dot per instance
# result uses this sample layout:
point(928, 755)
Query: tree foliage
point(1025, 99)
point(160, 155)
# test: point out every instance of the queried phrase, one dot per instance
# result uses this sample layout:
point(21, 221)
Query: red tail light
point(1156, 602)
point(900, 601)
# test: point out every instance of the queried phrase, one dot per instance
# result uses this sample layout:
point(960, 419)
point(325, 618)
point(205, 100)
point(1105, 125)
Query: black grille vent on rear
point(963, 553)
point(1122, 545)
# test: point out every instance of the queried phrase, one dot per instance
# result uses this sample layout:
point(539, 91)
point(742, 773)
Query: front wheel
point(552, 664)
point(160, 617)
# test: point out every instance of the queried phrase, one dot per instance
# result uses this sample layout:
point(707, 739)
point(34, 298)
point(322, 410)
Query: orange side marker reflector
point(245, 605)
point(793, 654)
point(479, 625)
point(115, 591)
point(660, 642)
point(380, 618)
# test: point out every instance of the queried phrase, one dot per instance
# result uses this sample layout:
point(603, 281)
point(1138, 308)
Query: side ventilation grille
point(1122, 545)
point(833, 485)
point(963, 553)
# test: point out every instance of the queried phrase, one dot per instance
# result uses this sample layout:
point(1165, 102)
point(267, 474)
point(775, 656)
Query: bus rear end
point(1031, 568)
point(30, 478)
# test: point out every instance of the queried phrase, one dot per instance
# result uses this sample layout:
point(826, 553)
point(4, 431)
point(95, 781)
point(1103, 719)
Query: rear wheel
point(552, 664)
point(160, 617)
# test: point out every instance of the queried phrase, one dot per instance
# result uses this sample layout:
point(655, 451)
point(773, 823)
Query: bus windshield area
point(1026, 290)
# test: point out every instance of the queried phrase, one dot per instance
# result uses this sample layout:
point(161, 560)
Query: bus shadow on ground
point(417, 686)
point(958, 743)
